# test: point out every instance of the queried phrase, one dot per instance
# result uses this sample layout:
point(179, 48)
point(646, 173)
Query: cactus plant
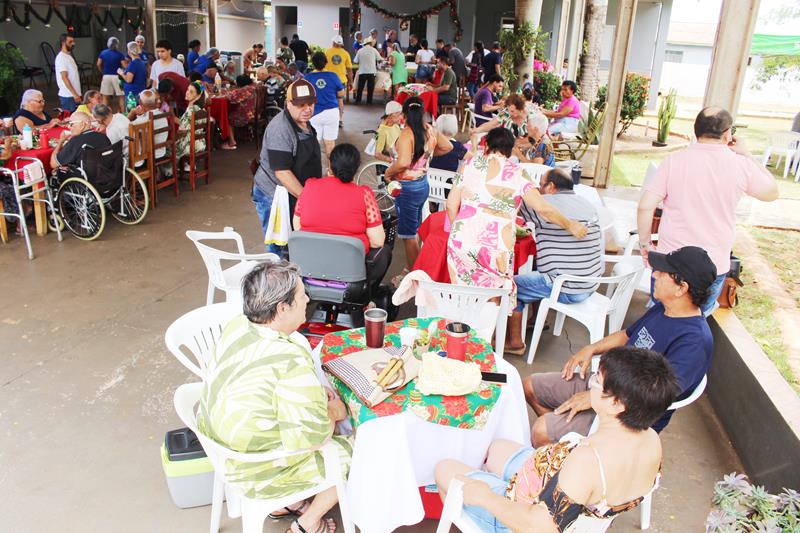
point(666, 112)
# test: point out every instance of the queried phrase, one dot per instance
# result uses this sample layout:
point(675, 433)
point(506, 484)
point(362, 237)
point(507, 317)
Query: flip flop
point(516, 351)
point(290, 512)
point(323, 527)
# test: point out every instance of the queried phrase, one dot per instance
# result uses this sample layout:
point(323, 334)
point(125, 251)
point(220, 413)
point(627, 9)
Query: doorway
point(344, 27)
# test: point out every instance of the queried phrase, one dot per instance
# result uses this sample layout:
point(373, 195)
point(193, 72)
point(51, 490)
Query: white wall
point(237, 33)
point(693, 55)
point(317, 18)
point(200, 33)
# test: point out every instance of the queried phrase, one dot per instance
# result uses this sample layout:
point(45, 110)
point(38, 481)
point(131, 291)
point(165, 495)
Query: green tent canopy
point(775, 45)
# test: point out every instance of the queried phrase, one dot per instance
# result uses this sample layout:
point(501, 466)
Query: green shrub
point(634, 99)
point(548, 87)
point(10, 80)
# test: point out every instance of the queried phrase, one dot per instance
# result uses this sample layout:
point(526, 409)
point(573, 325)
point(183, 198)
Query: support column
point(563, 28)
point(626, 13)
point(730, 53)
point(528, 11)
point(150, 24)
point(212, 23)
point(575, 38)
point(657, 64)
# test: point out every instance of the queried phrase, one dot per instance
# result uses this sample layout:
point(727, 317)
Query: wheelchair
point(371, 175)
point(101, 181)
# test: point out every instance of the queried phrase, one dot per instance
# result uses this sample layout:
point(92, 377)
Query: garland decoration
point(139, 19)
point(122, 16)
point(25, 22)
point(406, 18)
point(43, 19)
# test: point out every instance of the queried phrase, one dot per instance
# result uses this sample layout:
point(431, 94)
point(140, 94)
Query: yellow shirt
point(387, 136)
point(338, 62)
point(83, 108)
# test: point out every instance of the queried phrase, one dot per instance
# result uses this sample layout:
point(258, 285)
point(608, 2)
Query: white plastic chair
point(228, 280)
point(784, 143)
point(460, 303)
point(535, 171)
point(647, 503)
point(591, 312)
point(437, 180)
point(254, 511)
point(643, 285)
point(470, 115)
point(453, 514)
point(199, 331)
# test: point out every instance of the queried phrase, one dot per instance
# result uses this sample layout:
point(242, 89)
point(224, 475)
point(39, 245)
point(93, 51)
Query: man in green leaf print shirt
point(262, 394)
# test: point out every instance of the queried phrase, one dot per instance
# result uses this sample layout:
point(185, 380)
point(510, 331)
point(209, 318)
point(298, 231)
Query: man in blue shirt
point(207, 61)
point(108, 62)
point(193, 56)
point(330, 97)
point(675, 327)
point(134, 77)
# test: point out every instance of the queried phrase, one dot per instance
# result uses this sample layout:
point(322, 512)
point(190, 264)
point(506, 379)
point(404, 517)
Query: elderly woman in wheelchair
point(90, 175)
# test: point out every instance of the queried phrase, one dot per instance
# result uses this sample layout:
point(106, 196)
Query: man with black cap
point(674, 327)
point(290, 153)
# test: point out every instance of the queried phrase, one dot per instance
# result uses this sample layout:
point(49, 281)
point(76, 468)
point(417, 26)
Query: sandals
point(516, 351)
point(288, 511)
point(326, 525)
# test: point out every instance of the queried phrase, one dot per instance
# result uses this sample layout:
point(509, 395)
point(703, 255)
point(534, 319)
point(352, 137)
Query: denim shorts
point(535, 286)
point(409, 206)
point(486, 520)
point(67, 103)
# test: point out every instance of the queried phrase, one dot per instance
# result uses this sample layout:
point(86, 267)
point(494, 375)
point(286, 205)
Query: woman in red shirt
point(337, 206)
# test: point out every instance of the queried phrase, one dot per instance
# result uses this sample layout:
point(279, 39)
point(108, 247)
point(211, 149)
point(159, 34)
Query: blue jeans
point(497, 483)
point(535, 286)
point(301, 66)
point(472, 88)
point(67, 103)
point(409, 207)
point(263, 203)
point(715, 290)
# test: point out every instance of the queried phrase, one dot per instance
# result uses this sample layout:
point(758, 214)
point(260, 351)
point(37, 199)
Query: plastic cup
point(408, 336)
point(375, 327)
point(457, 333)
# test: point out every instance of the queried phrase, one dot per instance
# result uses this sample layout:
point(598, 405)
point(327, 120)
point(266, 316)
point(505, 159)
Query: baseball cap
point(690, 262)
point(301, 92)
point(337, 39)
point(392, 107)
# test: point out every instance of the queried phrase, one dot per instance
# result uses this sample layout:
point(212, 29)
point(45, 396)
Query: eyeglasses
point(733, 130)
point(594, 382)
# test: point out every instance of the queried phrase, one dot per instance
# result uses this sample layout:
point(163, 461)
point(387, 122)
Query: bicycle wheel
point(81, 209)
point(131, 202)
point(372, 176)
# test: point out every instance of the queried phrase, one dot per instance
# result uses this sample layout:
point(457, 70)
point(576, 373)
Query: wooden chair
point(200, 129)
point(169, 159)
point(140, 153)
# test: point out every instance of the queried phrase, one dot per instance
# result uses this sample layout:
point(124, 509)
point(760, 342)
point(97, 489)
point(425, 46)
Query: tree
point(786, 68)
point(592, 38)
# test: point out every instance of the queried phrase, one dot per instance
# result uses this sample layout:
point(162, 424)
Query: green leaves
point(741, 506)
point(634, 99)
point(11, 59)
point(516, 45)
point(666, 112)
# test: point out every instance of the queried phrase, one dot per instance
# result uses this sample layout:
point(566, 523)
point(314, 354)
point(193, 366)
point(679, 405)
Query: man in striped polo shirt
point(557, 252)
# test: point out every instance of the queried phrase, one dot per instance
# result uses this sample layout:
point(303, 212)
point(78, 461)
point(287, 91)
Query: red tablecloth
point(42, 154)
point(218, 108)
point(430, 101)
point(432, 256)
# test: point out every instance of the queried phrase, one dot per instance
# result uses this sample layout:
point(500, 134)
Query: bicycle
point(372, 175)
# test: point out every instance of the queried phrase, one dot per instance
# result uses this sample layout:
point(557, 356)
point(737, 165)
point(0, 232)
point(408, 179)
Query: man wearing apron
point(290, 153)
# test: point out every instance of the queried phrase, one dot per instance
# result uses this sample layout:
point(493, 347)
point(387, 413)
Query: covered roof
point(775, 45)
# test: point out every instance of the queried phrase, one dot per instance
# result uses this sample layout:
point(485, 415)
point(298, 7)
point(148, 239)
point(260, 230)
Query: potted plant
point(517, 43)
point(740, 506)
point(634, 100)
point(666, 112)
point(10, 79)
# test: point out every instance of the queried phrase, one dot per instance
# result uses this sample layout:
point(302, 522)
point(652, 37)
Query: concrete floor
point(86, 382)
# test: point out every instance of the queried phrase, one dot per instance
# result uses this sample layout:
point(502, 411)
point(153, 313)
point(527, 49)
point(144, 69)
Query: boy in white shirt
point(165, 63)
point(68, 77)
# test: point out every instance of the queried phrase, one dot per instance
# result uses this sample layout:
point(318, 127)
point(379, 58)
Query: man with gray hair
point(114, 125)
point(135, 75)
point(109, 61)
point(70, 145)
point(262, 393)
point(207, 61)
point(150, 103)
point(540, 149)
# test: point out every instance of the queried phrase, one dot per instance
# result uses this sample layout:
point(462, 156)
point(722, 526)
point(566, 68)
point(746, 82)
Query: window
point(507, 23)
point(419, 27)
point(673, 56)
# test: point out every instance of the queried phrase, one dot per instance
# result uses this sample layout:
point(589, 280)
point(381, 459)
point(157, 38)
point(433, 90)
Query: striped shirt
point(558, 251)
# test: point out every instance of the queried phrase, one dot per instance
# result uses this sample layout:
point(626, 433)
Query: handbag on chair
point(728, 298)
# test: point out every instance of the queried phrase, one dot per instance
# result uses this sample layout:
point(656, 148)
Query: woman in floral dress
point(483, 208)
point(195, 101)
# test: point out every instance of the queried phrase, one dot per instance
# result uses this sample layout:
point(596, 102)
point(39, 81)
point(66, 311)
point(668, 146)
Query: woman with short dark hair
point(337, 206)
point(482, 208)
point(605, 474)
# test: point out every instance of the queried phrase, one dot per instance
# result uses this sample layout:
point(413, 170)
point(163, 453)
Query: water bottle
point(130, 103)
point(217, 82)
point(27, 136)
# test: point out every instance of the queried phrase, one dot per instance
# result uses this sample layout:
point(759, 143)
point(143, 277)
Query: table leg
point(3, 226)
point(40, 213)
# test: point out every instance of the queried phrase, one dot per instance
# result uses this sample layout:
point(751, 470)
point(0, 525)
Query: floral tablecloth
point(467, 412)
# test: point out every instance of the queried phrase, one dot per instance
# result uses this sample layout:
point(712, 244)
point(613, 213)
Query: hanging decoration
point(406, 18)
point(71, 15)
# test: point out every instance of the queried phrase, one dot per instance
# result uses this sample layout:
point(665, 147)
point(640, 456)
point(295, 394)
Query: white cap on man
point(337, 39)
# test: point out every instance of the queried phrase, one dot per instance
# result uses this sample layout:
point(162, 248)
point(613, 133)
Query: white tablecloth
point(395, 455)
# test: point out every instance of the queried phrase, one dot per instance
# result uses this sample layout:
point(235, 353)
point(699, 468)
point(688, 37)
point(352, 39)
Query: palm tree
point(590, 59)
point(527, 11)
